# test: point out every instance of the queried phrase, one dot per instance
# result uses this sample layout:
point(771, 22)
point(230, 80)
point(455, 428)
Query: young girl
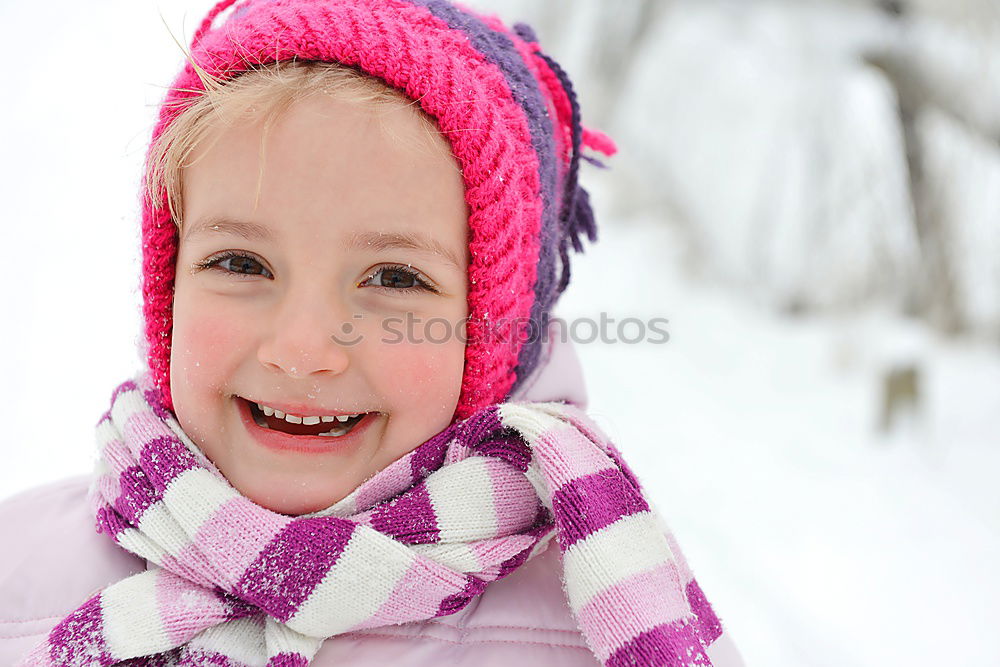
point(355, 443)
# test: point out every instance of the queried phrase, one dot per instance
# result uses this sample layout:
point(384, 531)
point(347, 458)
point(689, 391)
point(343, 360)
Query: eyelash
point(216, 260)
point(421, 282)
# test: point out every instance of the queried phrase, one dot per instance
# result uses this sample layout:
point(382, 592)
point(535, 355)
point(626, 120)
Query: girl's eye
point(397, 278)
point(238, 263)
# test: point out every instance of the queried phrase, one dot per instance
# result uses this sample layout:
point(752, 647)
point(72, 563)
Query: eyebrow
point(376, 241)
point(251, 231)
point(405, 240)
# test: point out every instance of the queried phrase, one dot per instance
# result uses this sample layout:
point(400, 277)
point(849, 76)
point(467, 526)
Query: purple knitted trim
point(499, 50)
point(576, 216)
point(606, 498)
point(525, 32)
point(293, 564)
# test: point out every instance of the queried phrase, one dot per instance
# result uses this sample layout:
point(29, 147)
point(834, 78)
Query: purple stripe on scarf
point(429, 456)
point(509, 448)
point(136, 494)
point(155, 400)
point(164, 459)
point(290, 567)
point(516, 561)
point(196, 657)
point(236, 608)
point(485, 434)
point(543, 521)
point(128, 385)
point(469, 432)
point(409, 518)
point(288, 660)
point(78, 639)
point(479, 427)
point(709, 625)
point(619, 460)
point(592, 502)
point(674, 643)
point(110, 521)
point(498, 49)
point(171, 658)
point(457, 602)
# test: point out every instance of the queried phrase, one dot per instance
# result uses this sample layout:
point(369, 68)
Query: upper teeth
point(308, 420)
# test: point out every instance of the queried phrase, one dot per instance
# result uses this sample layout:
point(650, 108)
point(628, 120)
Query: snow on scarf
point(231, 581)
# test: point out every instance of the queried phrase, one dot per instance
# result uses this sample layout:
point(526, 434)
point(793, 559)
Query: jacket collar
point(558, 376)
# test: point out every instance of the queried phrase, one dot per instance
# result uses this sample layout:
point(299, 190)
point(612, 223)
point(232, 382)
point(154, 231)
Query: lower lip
point(307, 444)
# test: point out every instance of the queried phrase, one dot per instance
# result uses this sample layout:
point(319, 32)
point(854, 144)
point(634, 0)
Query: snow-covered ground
point(820, 541)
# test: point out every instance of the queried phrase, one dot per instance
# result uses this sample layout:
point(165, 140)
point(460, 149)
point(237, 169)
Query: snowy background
point(809, 192)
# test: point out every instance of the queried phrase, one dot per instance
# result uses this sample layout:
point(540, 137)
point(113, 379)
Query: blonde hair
point(269, 90)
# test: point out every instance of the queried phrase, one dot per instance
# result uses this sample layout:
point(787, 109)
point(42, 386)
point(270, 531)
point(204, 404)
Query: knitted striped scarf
point(232, 583)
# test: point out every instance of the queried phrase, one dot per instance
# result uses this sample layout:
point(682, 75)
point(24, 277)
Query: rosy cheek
point(423, 377)
point(205, 335)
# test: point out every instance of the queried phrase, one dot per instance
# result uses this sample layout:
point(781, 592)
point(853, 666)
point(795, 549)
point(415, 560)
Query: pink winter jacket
point(52, 561)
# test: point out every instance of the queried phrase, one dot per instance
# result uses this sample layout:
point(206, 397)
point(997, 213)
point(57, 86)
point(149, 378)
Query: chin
point(296, 506)
point(291, 502)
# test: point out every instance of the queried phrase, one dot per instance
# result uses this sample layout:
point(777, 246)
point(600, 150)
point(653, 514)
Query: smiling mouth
point(327, 426)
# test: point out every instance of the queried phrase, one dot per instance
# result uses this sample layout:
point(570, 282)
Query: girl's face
point(342, 291)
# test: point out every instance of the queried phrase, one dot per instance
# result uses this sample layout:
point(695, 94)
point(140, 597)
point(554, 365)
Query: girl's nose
point(302, 342)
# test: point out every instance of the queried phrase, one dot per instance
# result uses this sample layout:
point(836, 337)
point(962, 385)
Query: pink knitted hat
point(466, 71)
